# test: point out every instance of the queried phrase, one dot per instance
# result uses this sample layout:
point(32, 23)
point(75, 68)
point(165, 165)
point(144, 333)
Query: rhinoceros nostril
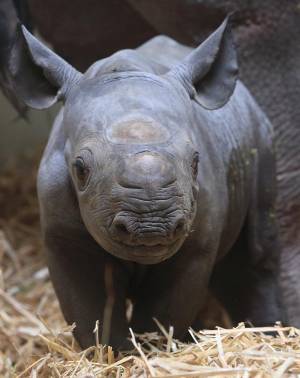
point(179, 227)
point(131, 231)
point(120, 229)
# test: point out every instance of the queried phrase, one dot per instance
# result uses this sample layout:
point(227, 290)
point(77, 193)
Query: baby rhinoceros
point(157, 183)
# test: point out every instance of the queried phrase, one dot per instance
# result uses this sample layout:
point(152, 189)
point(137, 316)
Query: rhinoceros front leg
point(265, 296)
point(247, 281)
point(247, 288)
point(173, 292)
point(91, 285)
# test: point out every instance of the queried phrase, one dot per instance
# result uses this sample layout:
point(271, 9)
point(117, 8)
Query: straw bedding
point(36, 342)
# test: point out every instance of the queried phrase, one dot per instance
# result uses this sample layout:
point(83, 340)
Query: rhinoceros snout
point(148, 232)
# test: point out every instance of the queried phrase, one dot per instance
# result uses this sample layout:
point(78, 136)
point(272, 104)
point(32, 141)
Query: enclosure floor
point(36, 342)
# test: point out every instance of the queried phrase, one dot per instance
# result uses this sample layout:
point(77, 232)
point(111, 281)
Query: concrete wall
point(20, 139)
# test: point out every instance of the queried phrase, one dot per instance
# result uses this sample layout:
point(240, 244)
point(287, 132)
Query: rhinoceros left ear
point(40, 76)
point(209, 73)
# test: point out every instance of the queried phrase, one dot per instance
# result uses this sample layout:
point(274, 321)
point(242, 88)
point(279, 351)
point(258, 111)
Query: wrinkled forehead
point(142, 99)
point(135, 129)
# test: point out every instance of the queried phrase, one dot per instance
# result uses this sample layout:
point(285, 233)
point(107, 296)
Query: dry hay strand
point(36, 342)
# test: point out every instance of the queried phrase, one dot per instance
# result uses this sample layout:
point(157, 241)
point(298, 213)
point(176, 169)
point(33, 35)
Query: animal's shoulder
point(53, 172)
point(156, 56)
point(125, 61)
point(246, 106)
point(164, 50)
point(57, 198)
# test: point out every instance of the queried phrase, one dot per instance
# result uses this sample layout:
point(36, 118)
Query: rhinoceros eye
point(194, 165)
point(82, 172)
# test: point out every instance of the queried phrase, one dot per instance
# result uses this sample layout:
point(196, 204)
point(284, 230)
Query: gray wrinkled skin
point(9, 17)
point(137, 186)
point(267, 33)
point(160, 176)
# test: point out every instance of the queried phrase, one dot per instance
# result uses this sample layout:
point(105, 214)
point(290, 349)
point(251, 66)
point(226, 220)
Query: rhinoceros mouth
point(149, 244)
point(155, 249)
point(142, 254)
point(150, 255)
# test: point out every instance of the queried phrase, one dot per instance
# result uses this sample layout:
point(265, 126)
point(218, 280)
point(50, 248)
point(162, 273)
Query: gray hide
point(156, 172)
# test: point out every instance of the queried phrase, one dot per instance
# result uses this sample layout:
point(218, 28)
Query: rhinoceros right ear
point(40, 77)
point(209, 73)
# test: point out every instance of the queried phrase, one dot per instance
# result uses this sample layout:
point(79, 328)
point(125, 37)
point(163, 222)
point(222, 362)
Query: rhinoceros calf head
point(135, 177)
point(129, 140)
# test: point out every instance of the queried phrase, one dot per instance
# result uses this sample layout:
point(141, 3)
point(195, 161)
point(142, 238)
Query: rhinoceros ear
point(40, 77)
point(209, 73)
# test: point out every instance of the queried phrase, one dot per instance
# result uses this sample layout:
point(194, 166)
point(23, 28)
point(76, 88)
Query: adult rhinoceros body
point(159, 168)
